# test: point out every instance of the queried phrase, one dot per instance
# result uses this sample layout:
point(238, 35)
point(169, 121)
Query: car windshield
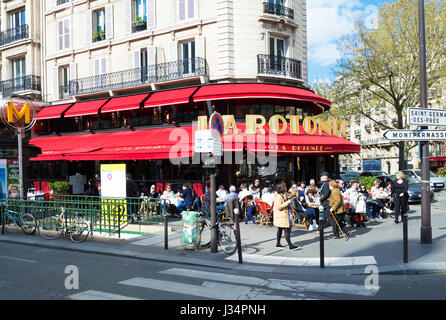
point(431, 174)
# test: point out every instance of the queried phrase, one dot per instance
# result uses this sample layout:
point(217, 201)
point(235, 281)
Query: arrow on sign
point(415, 135)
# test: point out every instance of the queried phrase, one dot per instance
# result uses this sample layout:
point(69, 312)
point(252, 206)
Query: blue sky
point(328, 20)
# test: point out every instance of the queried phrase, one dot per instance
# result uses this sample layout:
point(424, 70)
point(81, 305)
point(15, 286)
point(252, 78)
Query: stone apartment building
point(106, 48)
point(377, 153)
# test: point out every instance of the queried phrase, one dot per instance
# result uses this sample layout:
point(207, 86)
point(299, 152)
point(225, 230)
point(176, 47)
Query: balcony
point(25, 83)
point(279, 66)
point(170, 71)
point(14, 34)
point(278, 10)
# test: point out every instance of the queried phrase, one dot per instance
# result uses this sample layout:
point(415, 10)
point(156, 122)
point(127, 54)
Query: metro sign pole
point(426, 228)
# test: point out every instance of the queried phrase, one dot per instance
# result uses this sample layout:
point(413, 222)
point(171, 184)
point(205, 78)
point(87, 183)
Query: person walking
point(281, 217)
point(337, 210)
point(325, 194)
point(400, 196)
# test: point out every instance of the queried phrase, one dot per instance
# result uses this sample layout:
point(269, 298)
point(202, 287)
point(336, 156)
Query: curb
point(410, 269)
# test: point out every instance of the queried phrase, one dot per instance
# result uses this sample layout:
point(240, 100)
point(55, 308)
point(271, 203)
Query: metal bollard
point(321, 237)
point(405, 239)
point(166, 238)
point(237, 235)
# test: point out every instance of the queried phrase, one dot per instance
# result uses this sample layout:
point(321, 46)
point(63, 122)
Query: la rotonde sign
point(279, 124)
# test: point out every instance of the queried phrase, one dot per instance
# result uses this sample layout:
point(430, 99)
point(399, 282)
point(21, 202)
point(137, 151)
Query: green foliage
point(60, 187)
point(442, 172)
point(368, 181)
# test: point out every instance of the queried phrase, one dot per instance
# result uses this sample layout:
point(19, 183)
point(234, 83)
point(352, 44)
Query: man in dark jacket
point(325, 193)
point(187, 197)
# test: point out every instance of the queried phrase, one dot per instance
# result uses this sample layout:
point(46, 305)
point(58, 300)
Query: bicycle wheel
point(79, 231)
point(227, 238)
point(28, 223)
point(50, 228)
point(205, 236)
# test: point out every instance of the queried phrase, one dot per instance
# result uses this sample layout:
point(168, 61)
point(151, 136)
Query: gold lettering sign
point(307, 125)
point(277, 124)
point(274, 124)
point(252, 125)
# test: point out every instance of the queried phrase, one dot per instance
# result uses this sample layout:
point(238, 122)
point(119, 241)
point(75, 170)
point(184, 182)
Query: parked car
point(372, 173)
point(348, 176)
point(414, 187)
point(437, 183)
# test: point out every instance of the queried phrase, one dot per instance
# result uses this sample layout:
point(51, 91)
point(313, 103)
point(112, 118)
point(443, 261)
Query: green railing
point(105, 215)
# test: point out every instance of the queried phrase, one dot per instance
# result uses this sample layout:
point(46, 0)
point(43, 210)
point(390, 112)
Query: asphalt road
point(28, 272)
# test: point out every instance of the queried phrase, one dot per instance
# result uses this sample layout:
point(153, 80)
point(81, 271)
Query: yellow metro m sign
point(13, 112)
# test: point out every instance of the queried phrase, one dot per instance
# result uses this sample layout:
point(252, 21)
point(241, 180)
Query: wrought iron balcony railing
point(278, 10)
point(29, 82)
point(14, 34)
point(169, 71)
point(281, 66)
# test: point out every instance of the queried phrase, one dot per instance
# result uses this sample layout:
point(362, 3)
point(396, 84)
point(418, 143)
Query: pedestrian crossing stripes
point(305, 262)
point(220, 286)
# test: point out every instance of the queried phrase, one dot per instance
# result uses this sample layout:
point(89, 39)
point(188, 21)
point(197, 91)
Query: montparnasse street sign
point(426, 117)
point(415, 135)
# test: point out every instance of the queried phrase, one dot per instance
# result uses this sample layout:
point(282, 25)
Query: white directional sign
point(415, 135)
point(426, 117)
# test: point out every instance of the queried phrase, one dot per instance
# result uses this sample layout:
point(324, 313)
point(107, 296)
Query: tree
point(379, 68)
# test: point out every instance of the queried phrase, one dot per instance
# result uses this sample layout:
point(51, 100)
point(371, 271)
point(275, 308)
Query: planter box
point(139, 26)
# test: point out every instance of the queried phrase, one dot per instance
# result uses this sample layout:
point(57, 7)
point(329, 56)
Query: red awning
point(178, 142)
point(164, 143)
point(85, 108)
point(124, 103)
point(170, 97)
point(437, 159)
point(52, 112)
point(259, 91)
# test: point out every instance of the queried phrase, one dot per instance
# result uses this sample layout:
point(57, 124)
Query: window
point(59, 2)
point(16, 19)
point(64, 77)
point(64, 34)
point(139, 15)
point(187, 52)
point(100, 70)
point(277, 51)
point(277, 47)
point(18, 68)
point(186, 9)
point(98, 25)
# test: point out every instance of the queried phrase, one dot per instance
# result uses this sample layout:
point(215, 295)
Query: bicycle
point(225, 234)
point(53, 227)
point(26, 221)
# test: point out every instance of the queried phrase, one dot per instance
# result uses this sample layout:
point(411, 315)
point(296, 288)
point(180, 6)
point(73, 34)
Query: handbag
point(360, 205)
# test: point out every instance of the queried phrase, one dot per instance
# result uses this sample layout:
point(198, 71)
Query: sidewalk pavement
point(379, 243)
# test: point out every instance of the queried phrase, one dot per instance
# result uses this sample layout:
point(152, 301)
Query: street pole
point(213, 210)
point(20, 156)
point(426, 228)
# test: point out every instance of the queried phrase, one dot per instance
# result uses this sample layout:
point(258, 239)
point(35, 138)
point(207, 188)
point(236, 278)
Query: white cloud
point(328, 21)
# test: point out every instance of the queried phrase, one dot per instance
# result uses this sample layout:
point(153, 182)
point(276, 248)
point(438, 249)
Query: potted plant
point(60, 187)
point(139, 24)
point(99, 35)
